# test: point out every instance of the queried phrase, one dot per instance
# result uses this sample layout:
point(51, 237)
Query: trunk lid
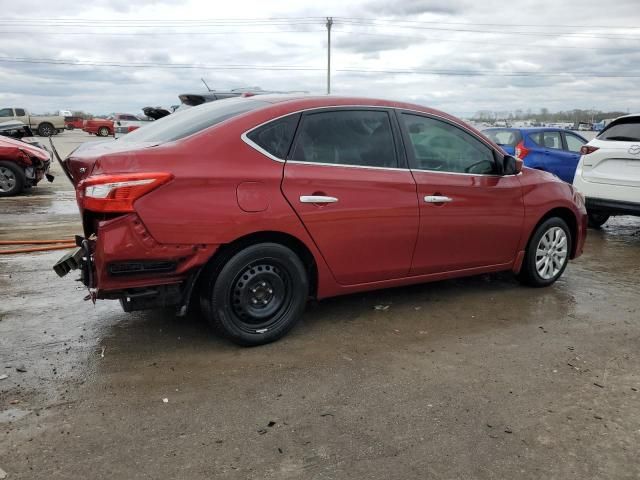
point(81, 162)
point(614, 163)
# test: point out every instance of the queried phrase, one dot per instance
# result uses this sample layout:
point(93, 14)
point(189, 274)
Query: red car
point(71, 123)
point(253, 205)
point(103, 127)
point(22, 165)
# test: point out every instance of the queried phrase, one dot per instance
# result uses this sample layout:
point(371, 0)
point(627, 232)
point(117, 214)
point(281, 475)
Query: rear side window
point(276, 137)
point(547, 139)
point(346, 137)
point(504, 137)
point(192, 120)
point(20, 112)
point(623, 130)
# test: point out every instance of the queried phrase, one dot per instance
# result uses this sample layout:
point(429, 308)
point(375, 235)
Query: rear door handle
point(317, 199)
point(437, 199)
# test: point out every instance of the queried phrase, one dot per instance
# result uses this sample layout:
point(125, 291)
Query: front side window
point(6, 112)
point(573, 143)
point(442, 147)
point(346, 137)
point(20, 112)
point(275, 137)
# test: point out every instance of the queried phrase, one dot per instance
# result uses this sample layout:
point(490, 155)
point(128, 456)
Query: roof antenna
point(205, 84)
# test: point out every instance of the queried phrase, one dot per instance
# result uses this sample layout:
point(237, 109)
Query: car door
point(346, 179)
point(470, 216)
point(572, 145)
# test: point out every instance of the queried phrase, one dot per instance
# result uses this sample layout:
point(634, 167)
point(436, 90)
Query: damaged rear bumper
point(123, 262)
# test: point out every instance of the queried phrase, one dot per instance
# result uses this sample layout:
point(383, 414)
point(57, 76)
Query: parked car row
point(606, 169)
point(44, 125)
point(293, 197)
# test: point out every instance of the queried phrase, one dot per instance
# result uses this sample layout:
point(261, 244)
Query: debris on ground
point(102, 352)
point(508, 430)
point(262, 431)
point(271, 423)
point(3, 474)
point(4, 376)
point(21, 369)
point(381, 307)
point(14, 402)
point(598, 385)
point(165, 400)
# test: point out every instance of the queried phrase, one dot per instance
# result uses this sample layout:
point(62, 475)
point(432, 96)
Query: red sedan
point(254, 205)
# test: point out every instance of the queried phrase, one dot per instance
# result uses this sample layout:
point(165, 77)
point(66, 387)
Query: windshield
point(504, 137)
point(624, 130)
point(187, 122)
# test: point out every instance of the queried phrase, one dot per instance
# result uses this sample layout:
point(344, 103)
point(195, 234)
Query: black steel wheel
point(256, 296)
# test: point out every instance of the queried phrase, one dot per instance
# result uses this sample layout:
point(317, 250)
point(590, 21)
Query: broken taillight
point(117, 193)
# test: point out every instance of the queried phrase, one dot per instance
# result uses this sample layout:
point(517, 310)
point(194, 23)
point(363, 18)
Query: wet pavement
point(472, 378)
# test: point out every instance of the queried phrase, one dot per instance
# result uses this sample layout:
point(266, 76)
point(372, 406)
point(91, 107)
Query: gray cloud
point(99, 89)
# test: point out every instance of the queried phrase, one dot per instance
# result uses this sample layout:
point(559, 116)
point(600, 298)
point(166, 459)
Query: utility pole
point(329, 23)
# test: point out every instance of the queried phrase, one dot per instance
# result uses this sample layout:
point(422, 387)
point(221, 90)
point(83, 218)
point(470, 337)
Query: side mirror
point(511, 165)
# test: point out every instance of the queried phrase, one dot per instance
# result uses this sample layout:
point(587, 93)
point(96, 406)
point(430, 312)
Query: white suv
point(608, 174)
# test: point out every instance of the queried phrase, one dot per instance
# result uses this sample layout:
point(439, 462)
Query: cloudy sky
point(457, 55)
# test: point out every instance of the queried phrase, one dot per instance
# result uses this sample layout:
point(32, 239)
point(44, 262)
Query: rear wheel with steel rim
point(256, 296)
point(12, 179)
point(103, 132)
point(547, 254)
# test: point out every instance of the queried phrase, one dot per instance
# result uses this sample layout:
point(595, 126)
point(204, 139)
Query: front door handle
point(317, 199)
point(437, 199)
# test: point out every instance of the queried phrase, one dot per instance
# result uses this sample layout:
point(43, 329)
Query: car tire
point(103, 132)
point(256, 295)
point(46, 129)
point(12, 179)
point(597, 219)
point(547, 253)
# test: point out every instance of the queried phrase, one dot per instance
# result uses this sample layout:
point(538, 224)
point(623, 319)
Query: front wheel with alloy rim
point(257, 295)
point(547, 254)
point(12, 179)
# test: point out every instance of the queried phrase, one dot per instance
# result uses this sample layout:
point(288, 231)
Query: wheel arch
point(227, 250)
point(569, 217)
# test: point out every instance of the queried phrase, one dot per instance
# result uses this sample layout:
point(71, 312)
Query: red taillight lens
point(131, 128)
point(587, 149)
point(117, 193)
point(521, 151)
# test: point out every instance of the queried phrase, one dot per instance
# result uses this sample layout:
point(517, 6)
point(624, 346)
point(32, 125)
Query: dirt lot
point(475, 378)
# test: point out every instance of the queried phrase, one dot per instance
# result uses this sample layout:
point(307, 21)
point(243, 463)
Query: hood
point(10, 144)
point(11, 125)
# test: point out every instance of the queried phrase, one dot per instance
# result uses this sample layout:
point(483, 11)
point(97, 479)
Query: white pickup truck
point(43, 125)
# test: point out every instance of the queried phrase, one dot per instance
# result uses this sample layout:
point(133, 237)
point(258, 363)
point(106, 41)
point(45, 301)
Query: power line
point(491, 32)
point(399, 71)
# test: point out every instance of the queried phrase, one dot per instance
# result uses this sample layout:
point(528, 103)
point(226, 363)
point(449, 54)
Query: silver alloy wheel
point(7, 179)
point(552, 253)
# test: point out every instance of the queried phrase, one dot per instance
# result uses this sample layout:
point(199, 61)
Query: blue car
point(551, 149)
